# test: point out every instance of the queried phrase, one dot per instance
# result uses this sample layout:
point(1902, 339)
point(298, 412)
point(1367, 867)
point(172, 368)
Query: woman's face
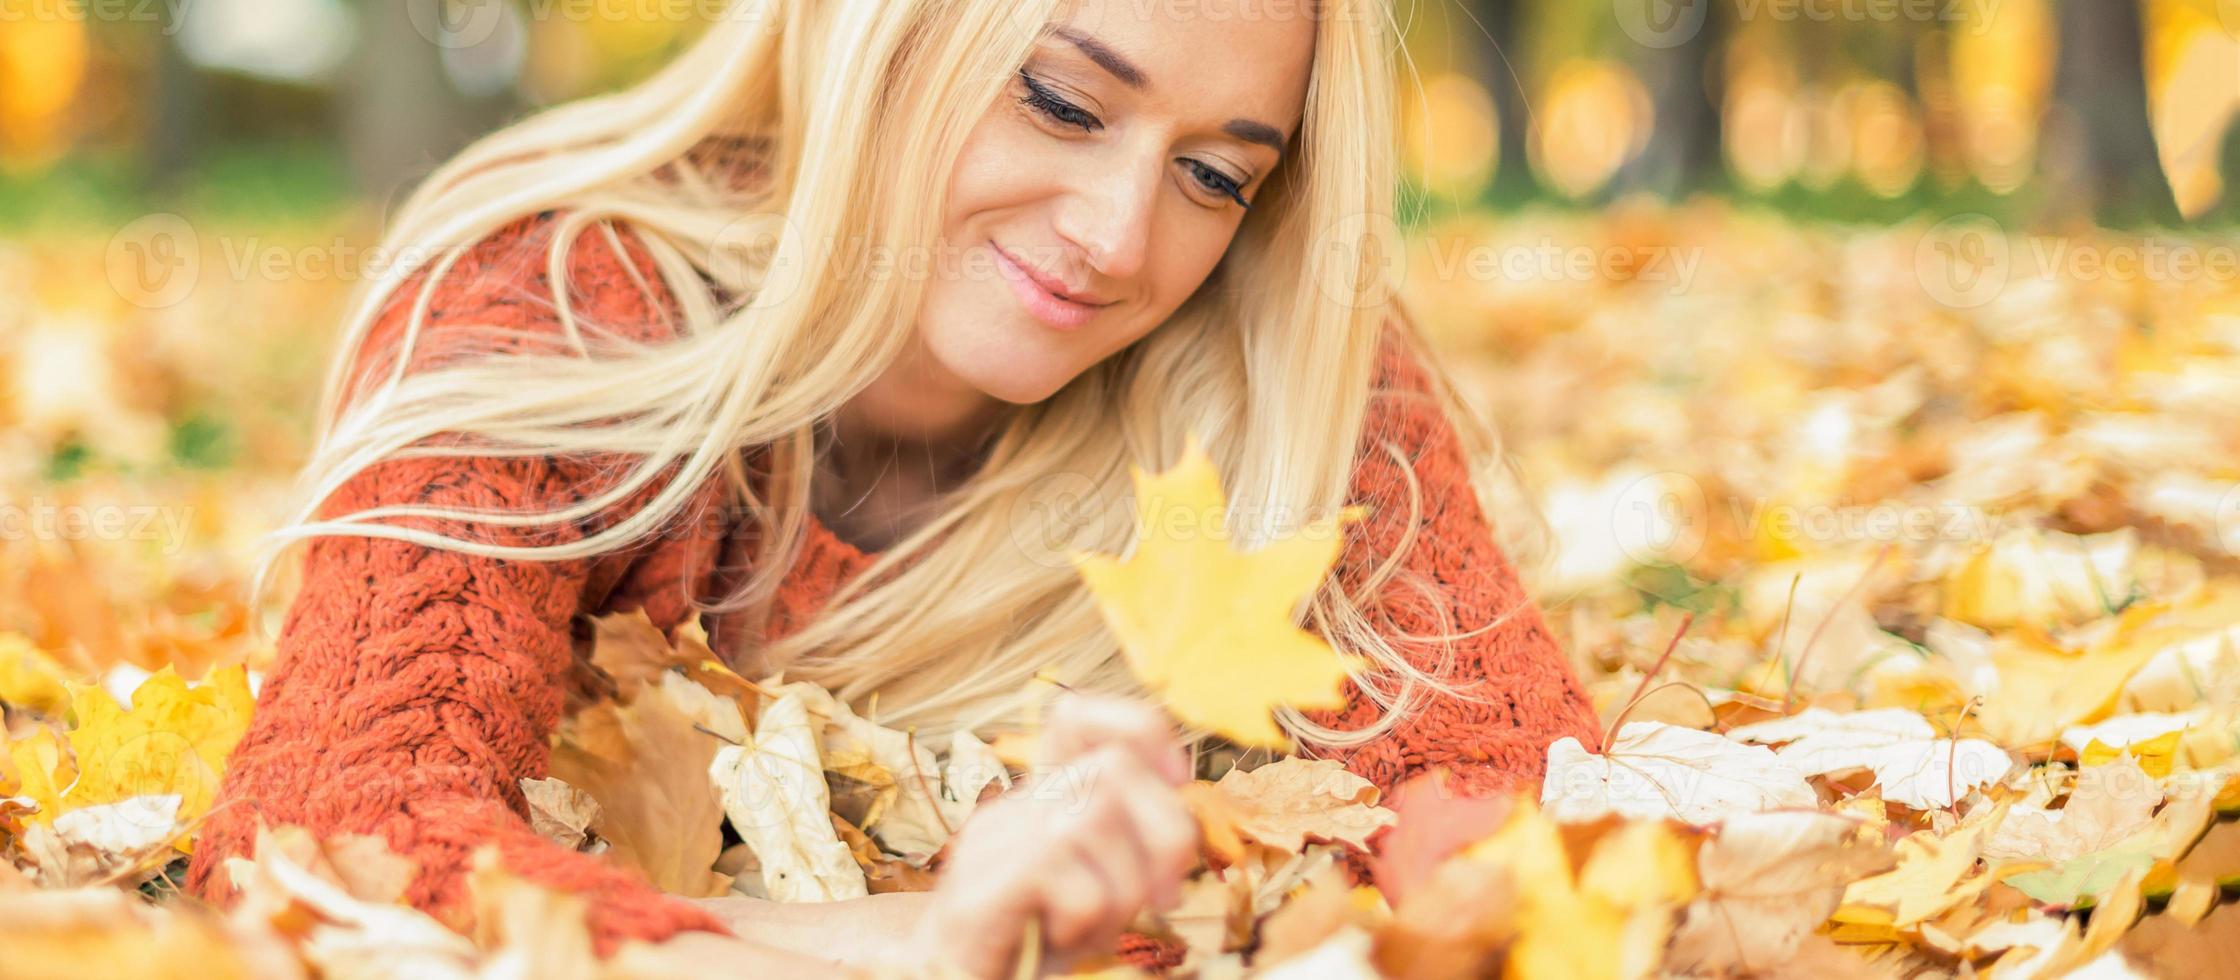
point(1105, 183)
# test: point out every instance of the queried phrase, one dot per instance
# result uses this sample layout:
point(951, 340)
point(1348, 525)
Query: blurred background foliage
point(2038, 110)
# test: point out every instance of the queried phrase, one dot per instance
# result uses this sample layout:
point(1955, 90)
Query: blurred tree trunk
point(2229, 207)
point(2107, 163)
point(401, 115)
point(176, 93)
point(1496, 49)
point(1683, 154)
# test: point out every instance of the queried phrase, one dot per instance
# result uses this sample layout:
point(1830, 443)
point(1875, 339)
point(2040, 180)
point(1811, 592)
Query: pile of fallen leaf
point(1915, 625)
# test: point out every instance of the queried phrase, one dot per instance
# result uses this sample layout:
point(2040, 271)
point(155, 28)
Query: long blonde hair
point(859, 107)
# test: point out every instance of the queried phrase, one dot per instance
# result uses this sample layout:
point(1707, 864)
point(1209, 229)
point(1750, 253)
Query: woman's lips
point(1054, 311)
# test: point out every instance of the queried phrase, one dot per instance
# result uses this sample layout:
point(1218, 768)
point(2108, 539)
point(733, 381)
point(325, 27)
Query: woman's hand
point(1080, 846)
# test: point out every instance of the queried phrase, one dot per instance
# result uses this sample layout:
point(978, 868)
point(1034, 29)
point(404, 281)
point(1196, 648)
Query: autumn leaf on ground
point(1457, 922)
point(1928, 876)
point(70, 934)
point(121, 843)
point(647, 766)
point(562, 813)
point(1284, 805)
point(42, 768)
point(2036, 932)
point(2046, 684)
point(525, 930)
point(2154, 739)
point(345, 934)
point(1344, 955)
point(2036, 577)
point(1212, 631)
point(775, 796)
point(2107, 804)
point(917, 800)
point(2163, 947)
point(360, 864)
point(1656, 770)
point(1912, 766)
point(1320, 907)
point(2085, 952)
point(1214, 915)
point(2107, 838)
point(31, 679)
point(1434, 821)
point(633, 651)
point(1608, 919)
point(1769, 880)
point(173, 740)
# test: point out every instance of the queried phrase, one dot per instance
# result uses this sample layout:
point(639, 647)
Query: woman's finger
point(1073, 895)
point(1117, 847)
point(1079, 723)
point(1167, 836)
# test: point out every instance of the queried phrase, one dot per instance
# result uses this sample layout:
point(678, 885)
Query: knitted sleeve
point(414, 687)
point(1520, 693)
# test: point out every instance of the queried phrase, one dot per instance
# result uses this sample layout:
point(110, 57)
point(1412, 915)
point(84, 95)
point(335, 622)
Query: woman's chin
point(1010, 358)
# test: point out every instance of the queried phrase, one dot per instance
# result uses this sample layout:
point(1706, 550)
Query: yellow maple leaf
point(1210, 629)
point(1927, 879)
point(1609, 919)
point(2046, 685)
point(29, 678)
point(2155, 755)
point(174, 739)
point(42, 770)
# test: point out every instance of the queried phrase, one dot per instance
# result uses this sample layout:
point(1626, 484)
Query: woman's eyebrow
point(1249, 130)
point(1255, 131)
point(1106, 58)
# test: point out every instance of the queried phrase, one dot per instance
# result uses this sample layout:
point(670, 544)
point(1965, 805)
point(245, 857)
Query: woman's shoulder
point(1404, 357)
point(1410, 398)
point(545, 282)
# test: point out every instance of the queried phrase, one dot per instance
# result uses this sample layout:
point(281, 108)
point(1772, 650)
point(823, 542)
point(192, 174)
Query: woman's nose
point(1109, 217)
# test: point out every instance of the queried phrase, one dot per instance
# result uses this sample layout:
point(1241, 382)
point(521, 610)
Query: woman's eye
point(1218, 182)
point(1056, 109)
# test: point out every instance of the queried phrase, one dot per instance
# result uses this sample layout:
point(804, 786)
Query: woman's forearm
point(861, 931)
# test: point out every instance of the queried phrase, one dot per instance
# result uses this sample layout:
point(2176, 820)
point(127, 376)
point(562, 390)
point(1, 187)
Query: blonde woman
point(845, 328)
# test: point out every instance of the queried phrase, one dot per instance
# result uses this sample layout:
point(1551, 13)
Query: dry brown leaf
point(2162, 946)
point(76, 934)
point(1433, 822)
point(1656, 771)
point(562, 813)
point(525, 930)
point(341, 935)
point(2108, 804)
point(647, 767)
point(122, 843)
point(1286, 804)
point(1769, 880)
point(881, 873)
point(1325, 904)
point(633, 651)
point(774, 795)
point(362, 866)
point(1455, 924)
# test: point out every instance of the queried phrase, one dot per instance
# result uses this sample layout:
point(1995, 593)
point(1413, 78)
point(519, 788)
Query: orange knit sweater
point(414, 688)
